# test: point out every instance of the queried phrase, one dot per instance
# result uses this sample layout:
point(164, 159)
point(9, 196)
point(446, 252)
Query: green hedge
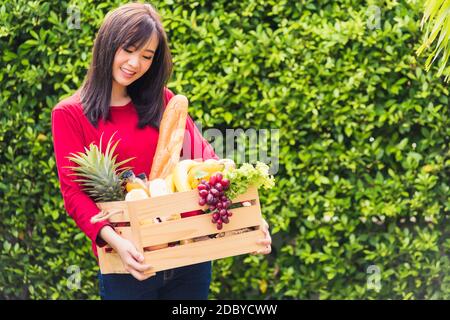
point(364, 143)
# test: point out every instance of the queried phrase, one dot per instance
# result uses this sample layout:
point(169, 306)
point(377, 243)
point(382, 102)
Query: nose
point(134, 62)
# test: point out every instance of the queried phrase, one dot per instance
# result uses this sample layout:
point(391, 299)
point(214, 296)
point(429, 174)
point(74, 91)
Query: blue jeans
point(184, 283)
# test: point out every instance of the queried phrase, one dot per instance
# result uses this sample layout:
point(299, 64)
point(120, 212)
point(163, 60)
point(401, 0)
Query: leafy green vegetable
point(247, 175)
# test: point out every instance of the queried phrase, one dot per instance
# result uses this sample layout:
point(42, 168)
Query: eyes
point(131, 51)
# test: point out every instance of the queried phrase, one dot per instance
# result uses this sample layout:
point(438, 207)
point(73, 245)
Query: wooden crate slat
point(202, 251)
point(177, 202)
point(251, 194)
point(136, 231)
point(165, 205)
point(197, 226)
point(110, 262)
point(124, 232)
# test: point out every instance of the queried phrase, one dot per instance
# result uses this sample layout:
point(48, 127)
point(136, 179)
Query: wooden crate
point(130, 224)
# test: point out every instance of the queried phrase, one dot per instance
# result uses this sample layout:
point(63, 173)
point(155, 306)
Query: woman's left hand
point(267, 241)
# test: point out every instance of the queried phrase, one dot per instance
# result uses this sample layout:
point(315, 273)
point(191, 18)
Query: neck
point(118, 93)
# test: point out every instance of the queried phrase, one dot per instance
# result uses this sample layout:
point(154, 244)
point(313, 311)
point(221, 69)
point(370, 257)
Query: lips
point(127, 73)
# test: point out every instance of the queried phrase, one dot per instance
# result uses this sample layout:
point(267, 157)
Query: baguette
point(171, 136)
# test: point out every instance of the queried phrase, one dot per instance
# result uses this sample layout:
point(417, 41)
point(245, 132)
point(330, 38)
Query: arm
point(68, 138)
point(131, 258)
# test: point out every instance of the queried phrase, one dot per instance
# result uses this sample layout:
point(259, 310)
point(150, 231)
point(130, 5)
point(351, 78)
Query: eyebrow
point(149, 50)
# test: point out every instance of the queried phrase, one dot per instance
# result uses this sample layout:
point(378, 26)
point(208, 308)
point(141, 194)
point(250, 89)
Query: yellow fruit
point(195, 179)
point(135, 185)
point(136, 194)
point(193, 185)
point(211, 161)
point(180, 174)
point(203, 171)
point(170, 184)
point(158, 187)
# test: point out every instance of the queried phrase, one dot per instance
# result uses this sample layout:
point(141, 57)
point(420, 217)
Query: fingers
point(266, 225)
point(140, 276)
point(266, 250)
point(132, 264)
point(137, 255)
point(139, 271)
point(133, 260)
point(137, 260)
point(266, 242)
point(135, 266)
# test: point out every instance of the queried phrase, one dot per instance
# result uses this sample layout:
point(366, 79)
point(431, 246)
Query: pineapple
point(100, 177)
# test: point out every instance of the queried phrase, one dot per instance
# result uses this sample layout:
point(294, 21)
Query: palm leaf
point(436, 20)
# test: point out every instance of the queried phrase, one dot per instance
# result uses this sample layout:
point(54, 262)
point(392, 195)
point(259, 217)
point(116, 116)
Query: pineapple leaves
point(99, 174)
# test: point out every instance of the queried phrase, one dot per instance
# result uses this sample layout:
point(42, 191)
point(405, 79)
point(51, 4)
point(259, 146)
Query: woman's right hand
point(131, 258)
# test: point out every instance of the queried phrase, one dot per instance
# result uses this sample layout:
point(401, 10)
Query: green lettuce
point(248, 175)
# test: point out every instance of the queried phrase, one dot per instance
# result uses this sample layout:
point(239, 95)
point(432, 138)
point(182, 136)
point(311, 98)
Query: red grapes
point(212, 193)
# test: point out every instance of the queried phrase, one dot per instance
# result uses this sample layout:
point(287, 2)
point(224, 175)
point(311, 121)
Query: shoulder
point(168, 94)
point(70, 105)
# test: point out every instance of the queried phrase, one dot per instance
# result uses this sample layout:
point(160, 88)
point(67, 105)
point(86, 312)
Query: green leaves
point(247, 175)
point(437, 22)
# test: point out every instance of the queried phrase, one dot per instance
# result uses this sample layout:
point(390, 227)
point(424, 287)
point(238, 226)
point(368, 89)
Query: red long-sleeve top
point(72, 132)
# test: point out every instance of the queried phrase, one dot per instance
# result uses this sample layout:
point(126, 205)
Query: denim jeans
point(184, 283)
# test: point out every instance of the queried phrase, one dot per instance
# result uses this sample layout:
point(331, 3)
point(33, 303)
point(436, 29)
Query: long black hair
point(132, 24)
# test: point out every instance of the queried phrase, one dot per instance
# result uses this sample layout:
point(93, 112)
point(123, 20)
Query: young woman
point(124, 93)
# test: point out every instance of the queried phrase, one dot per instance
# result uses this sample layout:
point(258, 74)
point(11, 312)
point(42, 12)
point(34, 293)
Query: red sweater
point(72, 131)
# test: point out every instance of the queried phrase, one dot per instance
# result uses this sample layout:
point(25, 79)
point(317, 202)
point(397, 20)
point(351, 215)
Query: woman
point(124, 92)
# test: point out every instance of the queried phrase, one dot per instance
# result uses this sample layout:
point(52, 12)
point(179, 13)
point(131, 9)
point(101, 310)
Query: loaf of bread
point(171, 137)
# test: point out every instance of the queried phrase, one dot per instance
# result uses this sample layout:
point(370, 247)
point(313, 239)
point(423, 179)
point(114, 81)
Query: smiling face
point(131, 63)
